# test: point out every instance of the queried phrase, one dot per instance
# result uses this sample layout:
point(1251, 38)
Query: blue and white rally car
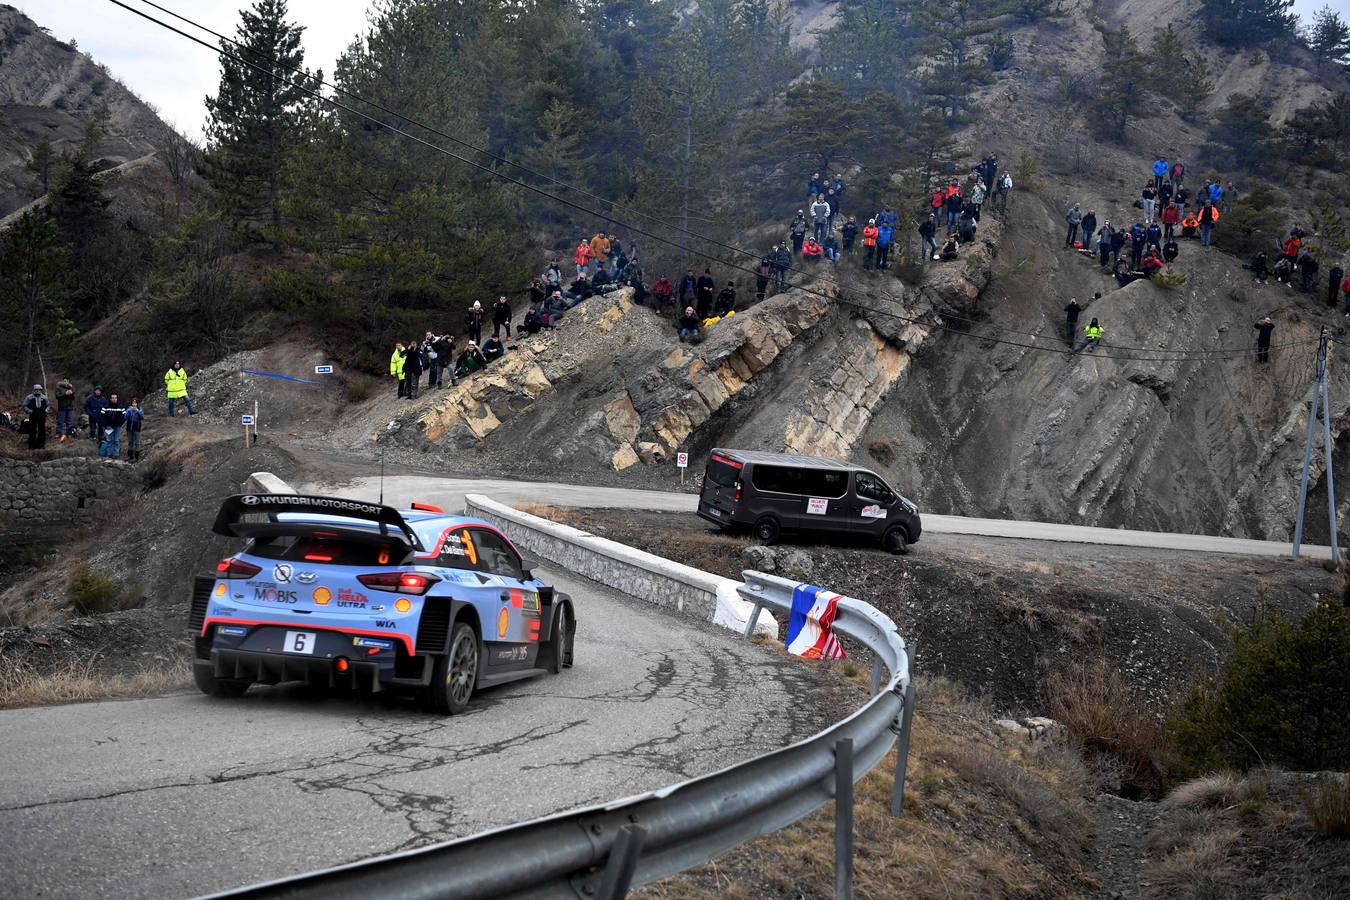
point(344, 593)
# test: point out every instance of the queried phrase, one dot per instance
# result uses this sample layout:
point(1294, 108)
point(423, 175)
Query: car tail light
point(414, 583)
point(237, 568)
point(738, 489)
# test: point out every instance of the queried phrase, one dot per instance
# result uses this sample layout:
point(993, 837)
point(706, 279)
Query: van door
point(717, 500)
point(872, 504)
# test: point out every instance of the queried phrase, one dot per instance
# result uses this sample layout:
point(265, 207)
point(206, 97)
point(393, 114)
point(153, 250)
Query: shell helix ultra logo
point(503, 623)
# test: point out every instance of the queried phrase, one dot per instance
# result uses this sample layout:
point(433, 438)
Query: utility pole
point(1319, 393)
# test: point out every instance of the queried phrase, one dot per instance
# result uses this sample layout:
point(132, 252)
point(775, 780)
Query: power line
point(1158, 356)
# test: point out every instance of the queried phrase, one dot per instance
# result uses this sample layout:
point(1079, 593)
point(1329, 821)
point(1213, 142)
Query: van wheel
point(766, 530)
point(896, 541)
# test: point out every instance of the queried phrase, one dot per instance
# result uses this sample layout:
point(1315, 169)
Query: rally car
point(345, 593)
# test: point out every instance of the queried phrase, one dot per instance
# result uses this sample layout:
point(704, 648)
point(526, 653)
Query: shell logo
point(503, 622)
point(322, 595)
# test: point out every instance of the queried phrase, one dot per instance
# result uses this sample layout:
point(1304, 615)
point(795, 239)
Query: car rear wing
point(256, 515)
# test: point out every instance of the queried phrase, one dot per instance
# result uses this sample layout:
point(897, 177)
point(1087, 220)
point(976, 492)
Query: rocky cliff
point(49, 91)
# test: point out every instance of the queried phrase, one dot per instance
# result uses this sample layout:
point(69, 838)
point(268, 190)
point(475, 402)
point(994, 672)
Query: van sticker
point(817, 506)
point(874, 512)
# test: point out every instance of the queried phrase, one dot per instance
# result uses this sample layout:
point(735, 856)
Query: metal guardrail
point(599, 852)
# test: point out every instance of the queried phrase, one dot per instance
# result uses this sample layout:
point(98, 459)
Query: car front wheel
point(895, 541)
point(456, 673)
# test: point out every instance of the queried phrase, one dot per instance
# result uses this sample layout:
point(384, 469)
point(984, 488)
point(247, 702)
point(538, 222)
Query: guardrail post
point(843, 819)
point(902, 750)
point(754, 618)
point(623, 860)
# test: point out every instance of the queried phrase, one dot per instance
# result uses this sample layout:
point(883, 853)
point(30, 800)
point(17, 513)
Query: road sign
point(323, 370)
point(682, 460)
point(247, 420)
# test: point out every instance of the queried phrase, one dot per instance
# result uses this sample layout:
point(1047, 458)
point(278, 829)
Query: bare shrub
point(1327, 804)
point(1093, 702)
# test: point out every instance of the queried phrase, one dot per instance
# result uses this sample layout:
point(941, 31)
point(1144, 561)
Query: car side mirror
point(527, 566)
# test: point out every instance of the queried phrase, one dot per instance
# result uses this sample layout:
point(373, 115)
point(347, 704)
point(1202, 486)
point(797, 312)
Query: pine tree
point(1243, 128)
point(1175, 73)
point(1249, 23)
point(1124, 76)
point(953, 28)
point(31, 292)
point(40, 163)
point(250, 120)
point(1329, 38)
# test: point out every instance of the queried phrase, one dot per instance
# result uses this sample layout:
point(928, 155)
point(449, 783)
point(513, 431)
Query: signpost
point(323, 370)
point(682, 460)
point(247, 422)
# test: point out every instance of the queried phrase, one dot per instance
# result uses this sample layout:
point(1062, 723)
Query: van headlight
point(912, 508)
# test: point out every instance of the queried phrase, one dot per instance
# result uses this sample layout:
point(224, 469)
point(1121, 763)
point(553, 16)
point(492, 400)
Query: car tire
point(456, 673)
point(209, 684)
point(767, 530)
point(896, 541)
point(557, 644)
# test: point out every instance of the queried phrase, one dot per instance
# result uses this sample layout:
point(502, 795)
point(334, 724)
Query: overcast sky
point(171, 72)
point(175, 74)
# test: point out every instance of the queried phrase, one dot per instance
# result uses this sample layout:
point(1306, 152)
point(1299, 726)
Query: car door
point(512, 636)
point(873, 503)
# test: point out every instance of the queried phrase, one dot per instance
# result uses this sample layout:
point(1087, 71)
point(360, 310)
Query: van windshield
point(807, 482)
point(722, 471)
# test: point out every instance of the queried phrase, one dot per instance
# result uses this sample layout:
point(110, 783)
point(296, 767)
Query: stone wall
point(64, 491)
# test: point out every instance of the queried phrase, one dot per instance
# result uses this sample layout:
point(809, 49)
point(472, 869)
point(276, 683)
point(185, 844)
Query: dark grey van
point(771, 493)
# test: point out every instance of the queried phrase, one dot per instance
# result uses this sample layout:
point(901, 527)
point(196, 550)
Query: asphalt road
point(186, 794)
point(449, 493)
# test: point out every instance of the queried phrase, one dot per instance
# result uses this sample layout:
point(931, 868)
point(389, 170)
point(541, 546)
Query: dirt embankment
point(148, 548)
point(998, 615)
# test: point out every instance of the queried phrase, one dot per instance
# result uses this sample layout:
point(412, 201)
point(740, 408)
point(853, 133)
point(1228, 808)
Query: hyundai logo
point(306, 577)
point(249, 500)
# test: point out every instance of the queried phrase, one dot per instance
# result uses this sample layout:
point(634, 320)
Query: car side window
point(460, 550)
point(870, 487)
point(495, 555)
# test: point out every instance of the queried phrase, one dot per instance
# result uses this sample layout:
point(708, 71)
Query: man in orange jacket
point(583, 258)
point(869, 243)
point(600, 247)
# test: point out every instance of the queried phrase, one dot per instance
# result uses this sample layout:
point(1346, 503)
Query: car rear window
point(722, 471)
point(807, 482)
point(329, 551)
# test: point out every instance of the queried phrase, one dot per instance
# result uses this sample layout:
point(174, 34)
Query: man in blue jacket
point(885, 235)
point(1137, 240)
point(94, 405)
point(1159, 173)
point(134, 416)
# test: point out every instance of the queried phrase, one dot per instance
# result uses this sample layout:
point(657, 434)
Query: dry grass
point(178, 452)
point(1203, 870)
point(1217, 790)
point(984, 816)
point(23, 685)
point(1327, 804)
point(1093, 702)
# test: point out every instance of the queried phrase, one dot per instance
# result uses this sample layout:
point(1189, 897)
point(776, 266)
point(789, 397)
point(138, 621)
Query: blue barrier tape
point(282, 377)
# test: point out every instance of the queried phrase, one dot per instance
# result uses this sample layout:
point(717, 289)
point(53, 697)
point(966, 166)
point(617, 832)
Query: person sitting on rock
point(579, 290)
point(812, 252)
point(662, 292)
point(1092, 336)
point(967, 232)
point(602, 278)
point(1153, 263)
point(726, 300)
point(1170, 250)
point(1190, 225)
point(949, 249)
point(493, 349)
point(532, 324)
point(470, 361)
point(1259, 268)
point(690, 325)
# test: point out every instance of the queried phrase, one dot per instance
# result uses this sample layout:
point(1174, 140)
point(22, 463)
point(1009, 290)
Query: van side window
point(870, 487)
point(805, 482)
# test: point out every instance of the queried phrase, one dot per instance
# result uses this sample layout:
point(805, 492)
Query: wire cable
point(1156, 356)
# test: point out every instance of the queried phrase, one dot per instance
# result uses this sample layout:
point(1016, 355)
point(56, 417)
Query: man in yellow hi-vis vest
point(396, 369)
point(175, 386)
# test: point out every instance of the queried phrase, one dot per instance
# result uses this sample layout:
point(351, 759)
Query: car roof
point(786, 459)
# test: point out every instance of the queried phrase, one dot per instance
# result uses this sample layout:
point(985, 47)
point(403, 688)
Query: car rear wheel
point(208, 683)
point(456, 673)
point(896, 541)
point(766, 530)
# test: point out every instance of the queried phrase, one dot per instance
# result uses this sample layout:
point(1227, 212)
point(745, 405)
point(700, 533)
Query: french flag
point(809, 633)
